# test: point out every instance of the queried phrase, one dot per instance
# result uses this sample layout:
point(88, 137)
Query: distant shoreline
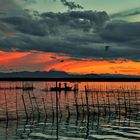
point(74, 79)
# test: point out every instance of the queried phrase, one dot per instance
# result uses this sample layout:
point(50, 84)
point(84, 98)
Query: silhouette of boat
point(61, 89)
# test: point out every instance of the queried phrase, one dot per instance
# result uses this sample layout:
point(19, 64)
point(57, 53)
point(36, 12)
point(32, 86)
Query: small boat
point(61, 89)
point(65, 88)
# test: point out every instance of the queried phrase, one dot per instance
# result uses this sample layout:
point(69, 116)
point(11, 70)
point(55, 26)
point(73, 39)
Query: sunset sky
point(44, 35)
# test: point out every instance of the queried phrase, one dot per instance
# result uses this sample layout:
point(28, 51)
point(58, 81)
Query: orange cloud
point(8, 56)
point(99, 67)
point(44, 61)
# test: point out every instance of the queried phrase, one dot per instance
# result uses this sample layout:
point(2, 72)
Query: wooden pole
point(26, 113)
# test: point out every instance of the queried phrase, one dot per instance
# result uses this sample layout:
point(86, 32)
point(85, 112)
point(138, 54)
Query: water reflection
point(95, 111)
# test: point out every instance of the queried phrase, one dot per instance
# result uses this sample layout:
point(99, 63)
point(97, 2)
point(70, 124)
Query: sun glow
point(42, 61)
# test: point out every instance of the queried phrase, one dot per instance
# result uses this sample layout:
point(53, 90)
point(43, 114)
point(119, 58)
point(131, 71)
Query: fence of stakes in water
point(95, 110)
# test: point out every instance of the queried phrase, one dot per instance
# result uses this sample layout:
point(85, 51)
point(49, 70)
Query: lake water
point(98, 110)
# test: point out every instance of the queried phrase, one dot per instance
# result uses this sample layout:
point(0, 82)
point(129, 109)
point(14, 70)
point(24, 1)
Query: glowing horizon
point(40, 61)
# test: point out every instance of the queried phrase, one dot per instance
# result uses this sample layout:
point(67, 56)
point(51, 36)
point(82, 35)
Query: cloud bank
point(79, 34)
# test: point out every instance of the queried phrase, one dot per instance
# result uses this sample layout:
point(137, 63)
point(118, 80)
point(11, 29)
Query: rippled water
point(103, 111)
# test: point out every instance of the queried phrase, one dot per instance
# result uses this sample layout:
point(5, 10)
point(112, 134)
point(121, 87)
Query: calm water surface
point(102, 110)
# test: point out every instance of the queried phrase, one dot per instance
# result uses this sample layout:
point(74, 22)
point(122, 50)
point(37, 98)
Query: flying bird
point(62, 61)
point(107, 48)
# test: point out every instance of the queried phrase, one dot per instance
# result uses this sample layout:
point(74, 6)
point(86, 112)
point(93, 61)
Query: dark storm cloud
point(125, 36)
point(50, 23)
point(5, 27)
point(127, 13)
point(26, 25)
point(92, 16)
point(97, 17)
point(71, 48)
point(121, 31)
point(16, 17)
point(85, 20)
point(80, 34)
point(71, 5)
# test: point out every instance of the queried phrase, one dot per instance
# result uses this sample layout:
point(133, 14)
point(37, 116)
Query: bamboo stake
point(57, 126)
point(76, 102)
point(31, 104)
point(17, 106)
point(83, 111)
point(26, 113)
point(87, 103)
point(6, 107)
